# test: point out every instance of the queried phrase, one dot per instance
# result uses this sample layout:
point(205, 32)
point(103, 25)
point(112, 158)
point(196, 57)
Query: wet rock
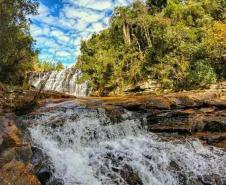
point(171, 121)
point(170, 117)
point(57, 122)
point(173, 166)
point(213, 139)
point(130, 176)
point(211, 180)
point(116, 115)
point(15, 153)
point(176, 169)
point(134, 106)
point(194, 181)
point(43, 174)
point(56, 182)
point(217, 124)
point(43, 168)
point(37, 156)
point(23, 154)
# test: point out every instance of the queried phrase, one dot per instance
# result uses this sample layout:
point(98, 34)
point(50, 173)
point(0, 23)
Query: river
point(84, 147)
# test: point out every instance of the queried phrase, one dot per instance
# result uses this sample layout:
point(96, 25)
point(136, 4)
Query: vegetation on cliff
point(180, 44)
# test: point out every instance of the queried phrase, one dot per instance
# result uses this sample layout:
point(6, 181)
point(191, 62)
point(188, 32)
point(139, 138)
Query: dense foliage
point(16, 43)
point(179, 43)
point(45, 66)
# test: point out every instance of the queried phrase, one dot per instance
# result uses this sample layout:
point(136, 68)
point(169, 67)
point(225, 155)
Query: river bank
point(173, 116)
point(15, 147)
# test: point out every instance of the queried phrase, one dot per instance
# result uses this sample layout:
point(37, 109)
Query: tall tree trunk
point(147, 35)
point(136, 39)
point(126, 33)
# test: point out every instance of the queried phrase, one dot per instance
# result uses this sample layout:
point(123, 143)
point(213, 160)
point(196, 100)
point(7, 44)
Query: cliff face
point(64, 81)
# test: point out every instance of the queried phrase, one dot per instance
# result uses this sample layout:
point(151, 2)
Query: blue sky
point(62, 24)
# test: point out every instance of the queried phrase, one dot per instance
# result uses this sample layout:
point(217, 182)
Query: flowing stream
point(85, 148)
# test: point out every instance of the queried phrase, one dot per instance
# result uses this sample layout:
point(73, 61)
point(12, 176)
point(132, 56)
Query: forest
point(179, 43)
point(16, 44)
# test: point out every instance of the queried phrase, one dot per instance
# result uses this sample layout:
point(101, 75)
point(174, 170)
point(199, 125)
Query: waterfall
point(61, 81)
point(88, 149)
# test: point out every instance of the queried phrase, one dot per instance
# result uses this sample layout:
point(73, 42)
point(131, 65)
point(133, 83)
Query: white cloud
point(84, 14)
point(43, 10)
point(98, 26)
point(58, 34)
point(97, 5)
point(77, 41)
point(63, 54)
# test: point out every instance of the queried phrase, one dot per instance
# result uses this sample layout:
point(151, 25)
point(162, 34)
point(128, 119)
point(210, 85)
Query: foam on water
point(90, 151)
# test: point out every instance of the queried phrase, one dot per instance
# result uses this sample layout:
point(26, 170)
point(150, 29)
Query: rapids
point(88, 149)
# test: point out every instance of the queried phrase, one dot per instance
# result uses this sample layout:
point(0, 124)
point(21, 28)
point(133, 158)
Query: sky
point(62, 24)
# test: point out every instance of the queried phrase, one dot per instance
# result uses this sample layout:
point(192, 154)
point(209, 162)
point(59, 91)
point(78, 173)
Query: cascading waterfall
point(86, 148)
point(61, 81)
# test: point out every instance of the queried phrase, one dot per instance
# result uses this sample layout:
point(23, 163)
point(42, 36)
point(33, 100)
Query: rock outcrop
point(199, 114)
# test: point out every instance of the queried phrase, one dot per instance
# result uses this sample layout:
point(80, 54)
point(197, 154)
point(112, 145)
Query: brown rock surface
point(200, 114)
point(195, 114)
point(15, 154)
point(17, 173)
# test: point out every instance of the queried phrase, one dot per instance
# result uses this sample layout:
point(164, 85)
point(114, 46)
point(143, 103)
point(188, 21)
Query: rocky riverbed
point(131, 134)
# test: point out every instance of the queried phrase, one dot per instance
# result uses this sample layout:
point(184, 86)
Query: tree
point(46, 66)
point(156, 5)
point(120, 19)
point(16, 51)
point(180, 44)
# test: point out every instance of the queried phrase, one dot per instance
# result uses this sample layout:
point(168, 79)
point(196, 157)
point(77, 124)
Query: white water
point(60, 81)
point(91, 151)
